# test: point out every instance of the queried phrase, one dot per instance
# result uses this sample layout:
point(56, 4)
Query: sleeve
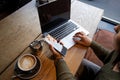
point(62, 71)
point(99, 50)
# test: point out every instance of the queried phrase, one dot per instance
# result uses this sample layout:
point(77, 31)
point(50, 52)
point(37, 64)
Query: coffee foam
point(27, 62)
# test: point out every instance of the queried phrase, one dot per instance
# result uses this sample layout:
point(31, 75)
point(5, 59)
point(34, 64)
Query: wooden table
point(22, 27)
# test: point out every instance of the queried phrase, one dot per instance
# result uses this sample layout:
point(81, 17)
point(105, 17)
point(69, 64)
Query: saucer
point(30, 74)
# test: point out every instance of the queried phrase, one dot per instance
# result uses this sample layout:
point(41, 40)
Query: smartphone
point(59, 47)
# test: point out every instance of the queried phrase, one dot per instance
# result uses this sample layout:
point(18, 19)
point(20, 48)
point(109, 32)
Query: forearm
point(99, 50)
point(62, 70)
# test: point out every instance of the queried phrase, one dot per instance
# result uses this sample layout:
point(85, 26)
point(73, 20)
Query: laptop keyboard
point(64, 30)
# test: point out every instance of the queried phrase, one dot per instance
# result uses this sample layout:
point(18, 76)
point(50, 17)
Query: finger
point(76, 33)
point(60, 42)
point(52, 49)
point(82, 33)
point(79, 33)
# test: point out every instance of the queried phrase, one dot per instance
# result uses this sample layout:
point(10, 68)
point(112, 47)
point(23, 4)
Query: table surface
point(22, 27)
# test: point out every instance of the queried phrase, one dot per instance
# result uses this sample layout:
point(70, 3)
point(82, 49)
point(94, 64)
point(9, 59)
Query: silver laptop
point(55, 20)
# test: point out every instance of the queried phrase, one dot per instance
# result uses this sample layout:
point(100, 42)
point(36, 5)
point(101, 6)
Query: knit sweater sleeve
point(99, 50)
point(62, 71)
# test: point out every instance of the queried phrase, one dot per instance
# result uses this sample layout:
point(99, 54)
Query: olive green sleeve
point(62, 71)
point(99, 50)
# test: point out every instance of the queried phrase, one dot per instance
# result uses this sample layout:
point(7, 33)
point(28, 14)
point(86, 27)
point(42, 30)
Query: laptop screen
point(53, 14)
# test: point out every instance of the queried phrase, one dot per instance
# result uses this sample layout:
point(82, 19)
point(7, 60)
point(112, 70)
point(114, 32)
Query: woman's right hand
point(84, 40)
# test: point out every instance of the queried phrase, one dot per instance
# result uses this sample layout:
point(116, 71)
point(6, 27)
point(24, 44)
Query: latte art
point(27, 62)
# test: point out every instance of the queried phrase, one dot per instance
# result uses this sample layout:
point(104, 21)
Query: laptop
point(55, 20)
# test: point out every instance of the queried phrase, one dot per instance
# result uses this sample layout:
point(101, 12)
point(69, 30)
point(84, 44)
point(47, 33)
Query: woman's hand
point(56, 54)
point(84, 40)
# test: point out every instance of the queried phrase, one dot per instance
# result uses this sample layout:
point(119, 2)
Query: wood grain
point(22, 27)
point(74, 57)
point(16, 32)
point(48, 72)
point(47, 64)
point(86, 15)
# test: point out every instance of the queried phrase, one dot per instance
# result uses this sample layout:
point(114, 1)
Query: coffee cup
point(27, 62)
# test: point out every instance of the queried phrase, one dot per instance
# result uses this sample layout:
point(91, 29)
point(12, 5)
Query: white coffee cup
point(27, 62)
